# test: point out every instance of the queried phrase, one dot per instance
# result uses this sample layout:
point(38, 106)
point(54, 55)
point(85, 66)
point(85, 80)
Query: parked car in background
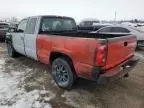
point(123, 29)
point(88, 25)
point(3, 30)
point(89, 22)
point(55, 40)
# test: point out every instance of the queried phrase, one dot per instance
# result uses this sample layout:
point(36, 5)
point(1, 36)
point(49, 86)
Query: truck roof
point(53, 16)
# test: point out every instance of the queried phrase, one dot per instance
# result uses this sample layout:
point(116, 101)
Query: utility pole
point(115, 16)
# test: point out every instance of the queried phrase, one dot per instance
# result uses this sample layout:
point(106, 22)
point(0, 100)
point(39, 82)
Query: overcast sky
point(79, 9)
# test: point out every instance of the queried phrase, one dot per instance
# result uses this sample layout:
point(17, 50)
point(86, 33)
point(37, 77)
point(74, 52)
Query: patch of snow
point(29, 100)
point(2, 62)
point(13, 96)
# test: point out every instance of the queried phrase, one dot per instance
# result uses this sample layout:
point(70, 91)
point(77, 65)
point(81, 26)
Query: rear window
point(57, 24)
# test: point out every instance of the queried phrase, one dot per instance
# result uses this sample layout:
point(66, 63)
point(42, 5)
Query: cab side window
point(22, 26)
point(30, 29)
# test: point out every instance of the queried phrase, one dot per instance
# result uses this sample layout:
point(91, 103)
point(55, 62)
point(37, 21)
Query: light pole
point(115, 16)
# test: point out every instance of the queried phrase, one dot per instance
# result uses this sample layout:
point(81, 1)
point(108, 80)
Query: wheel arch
point(55, 54)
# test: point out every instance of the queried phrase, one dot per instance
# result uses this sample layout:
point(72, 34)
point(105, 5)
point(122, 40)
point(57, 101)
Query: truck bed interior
point(83, 34)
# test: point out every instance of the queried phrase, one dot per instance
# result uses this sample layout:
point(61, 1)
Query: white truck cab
point(24, 38)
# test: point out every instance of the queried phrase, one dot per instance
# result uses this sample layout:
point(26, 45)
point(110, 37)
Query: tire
point(62, 73)
point(11, 50)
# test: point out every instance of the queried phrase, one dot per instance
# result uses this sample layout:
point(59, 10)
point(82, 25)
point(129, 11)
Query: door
point(18, 37)
point(30, 37)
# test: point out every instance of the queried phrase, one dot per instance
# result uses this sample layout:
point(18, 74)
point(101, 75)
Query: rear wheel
point(11, 51)
point(62, 73)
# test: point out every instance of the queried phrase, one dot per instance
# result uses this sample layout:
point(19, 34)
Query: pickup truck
point(72, 54)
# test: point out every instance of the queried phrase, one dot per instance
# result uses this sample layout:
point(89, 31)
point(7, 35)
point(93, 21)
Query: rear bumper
point(119, 70)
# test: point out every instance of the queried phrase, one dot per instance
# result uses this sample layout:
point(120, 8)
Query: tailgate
point(119, 49)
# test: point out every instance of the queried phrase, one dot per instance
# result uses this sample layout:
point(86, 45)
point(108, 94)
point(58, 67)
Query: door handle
point(125, 43)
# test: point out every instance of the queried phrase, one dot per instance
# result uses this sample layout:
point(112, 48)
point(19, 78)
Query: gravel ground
point(24, 81)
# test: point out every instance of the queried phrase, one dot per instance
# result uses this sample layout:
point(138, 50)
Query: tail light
point(101, 56)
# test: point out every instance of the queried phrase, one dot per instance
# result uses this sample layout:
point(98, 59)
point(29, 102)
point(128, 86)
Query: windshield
point(58, 24)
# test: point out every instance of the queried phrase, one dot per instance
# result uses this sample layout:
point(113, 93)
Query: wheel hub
point(61, 73)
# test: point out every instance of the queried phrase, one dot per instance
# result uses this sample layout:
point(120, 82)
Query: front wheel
point(62, 73)
point(11, 51)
